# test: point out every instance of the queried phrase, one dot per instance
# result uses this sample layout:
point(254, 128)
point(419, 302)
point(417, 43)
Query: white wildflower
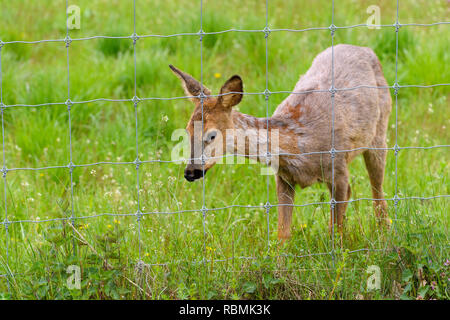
point(171, 179)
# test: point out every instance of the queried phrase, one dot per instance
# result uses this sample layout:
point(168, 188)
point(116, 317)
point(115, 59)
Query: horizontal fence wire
point(202, 33)
point(266, 93)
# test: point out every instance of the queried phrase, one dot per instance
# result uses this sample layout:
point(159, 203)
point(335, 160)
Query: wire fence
point(135, 100)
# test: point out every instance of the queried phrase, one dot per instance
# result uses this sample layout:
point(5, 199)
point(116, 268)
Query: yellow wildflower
point(84, 226)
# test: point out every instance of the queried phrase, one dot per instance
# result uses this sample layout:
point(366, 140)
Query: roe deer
point(304, 123)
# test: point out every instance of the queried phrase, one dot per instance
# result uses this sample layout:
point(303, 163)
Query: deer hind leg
point(286, 194)
point(342, 192)
point(375, 163)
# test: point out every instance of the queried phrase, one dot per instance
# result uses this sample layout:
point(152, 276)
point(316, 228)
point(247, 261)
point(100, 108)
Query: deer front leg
point(286, 194)
point(375, 163)
point(342, 192)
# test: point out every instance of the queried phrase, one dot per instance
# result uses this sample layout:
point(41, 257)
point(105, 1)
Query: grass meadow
point(229, 254)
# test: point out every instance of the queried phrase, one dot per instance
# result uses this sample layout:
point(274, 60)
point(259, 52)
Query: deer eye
point(211, 136)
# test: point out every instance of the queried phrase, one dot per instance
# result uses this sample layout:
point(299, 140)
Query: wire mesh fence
point(268, 207)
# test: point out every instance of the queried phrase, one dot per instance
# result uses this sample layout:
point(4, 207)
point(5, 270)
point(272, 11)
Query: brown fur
point(304, 124)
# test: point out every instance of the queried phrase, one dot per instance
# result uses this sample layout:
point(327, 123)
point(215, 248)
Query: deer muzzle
point(192, 173)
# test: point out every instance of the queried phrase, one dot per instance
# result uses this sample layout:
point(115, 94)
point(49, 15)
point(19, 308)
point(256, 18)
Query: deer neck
point(248, 122)
point(250, 135)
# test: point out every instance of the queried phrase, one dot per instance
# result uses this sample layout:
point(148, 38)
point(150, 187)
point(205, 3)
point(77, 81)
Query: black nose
point(193, 174)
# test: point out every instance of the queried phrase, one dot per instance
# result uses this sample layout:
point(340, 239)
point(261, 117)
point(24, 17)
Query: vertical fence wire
point(396, 150)
point(203, 158)
point(332, 150)
point(4, 171)
point(137, 160)
point(69, 106)
point(267, 95)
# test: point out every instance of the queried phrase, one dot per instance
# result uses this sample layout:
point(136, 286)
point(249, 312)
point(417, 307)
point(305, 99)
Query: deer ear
point(231, 92)
point(191, 86)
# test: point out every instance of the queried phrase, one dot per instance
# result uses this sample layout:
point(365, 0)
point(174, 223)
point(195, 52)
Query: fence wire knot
point(267, 206)
point(203, 210)
point(71, 166)
point(332, 91)
point(135, 100)
point(202, 96)
point(2, 107)
point(6, 222)
point(266, 31)
point(396, 149)
point(201, 35)
point(396, 86)
point(203, 159)
point(67, 41)
point(268, 156)
point(137, 162)
point(396, 199)
point(397, 26)
point(69, 104)
point(267, 94)
point(332, 29)
point(140, 265)
point(333, 153)
point(1, 44)
point(135, 38)
point(333, 203)
point(138, 215)
point(4, 171)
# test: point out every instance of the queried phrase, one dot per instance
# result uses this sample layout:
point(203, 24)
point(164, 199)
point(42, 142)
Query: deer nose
point(193, 174)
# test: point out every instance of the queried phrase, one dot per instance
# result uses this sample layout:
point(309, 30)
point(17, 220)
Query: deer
point(303, 121)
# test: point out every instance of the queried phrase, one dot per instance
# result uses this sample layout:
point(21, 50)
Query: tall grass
point(172, 245)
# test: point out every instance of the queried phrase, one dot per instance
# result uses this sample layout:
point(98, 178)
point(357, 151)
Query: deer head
point(216, 118)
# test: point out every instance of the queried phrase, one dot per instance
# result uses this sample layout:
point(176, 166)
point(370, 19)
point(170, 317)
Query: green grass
point(39, 253)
